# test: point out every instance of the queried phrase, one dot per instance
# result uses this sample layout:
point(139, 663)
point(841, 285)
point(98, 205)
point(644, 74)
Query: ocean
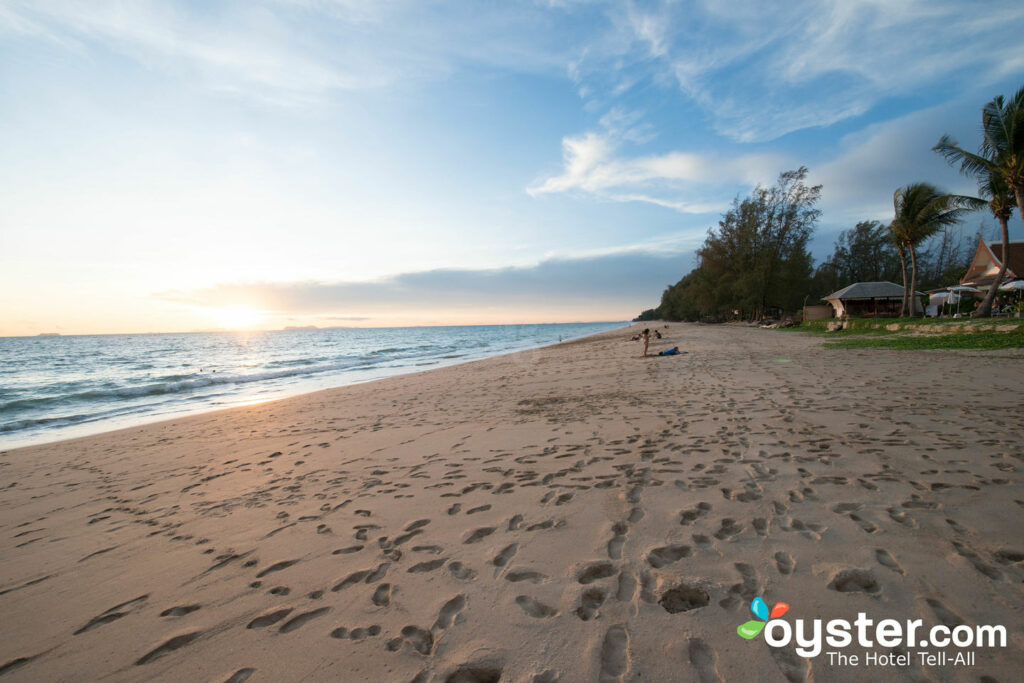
point(61, 387)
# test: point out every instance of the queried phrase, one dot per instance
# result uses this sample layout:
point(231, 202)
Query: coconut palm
point(998, 198)
point(898, 237)
point(921, 210)
point(998, 166)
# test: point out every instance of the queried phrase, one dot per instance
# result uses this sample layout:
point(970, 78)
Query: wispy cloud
point(683, 181)
point(762, 70)
point(296, 52)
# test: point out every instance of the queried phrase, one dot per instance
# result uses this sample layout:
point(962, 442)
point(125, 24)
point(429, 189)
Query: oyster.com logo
point(752, 629)
point(928, 646)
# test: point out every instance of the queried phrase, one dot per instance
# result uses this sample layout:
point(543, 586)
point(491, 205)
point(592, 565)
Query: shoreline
point(571, 512)
point(382, 374)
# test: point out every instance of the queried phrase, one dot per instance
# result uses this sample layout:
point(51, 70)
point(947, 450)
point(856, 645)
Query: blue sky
point(170, 166)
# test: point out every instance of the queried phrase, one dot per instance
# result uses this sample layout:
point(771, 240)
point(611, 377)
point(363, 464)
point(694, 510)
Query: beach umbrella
point(959, 289)
point(1015, 285)
point(940, 299)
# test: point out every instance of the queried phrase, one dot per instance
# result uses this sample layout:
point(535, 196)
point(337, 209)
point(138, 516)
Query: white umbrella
point(959, 289)
point(1015, 285)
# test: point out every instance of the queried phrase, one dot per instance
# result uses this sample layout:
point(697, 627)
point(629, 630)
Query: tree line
point(756, 264)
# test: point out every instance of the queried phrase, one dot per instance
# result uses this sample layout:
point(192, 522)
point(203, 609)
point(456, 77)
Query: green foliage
point(984, 340)
point(649, 314)
point(864, 253)
point(756, 260)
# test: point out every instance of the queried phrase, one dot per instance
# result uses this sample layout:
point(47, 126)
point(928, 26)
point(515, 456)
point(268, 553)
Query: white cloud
point(682, 181)
point(747, 62)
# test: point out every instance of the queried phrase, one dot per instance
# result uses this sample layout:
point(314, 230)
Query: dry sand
point(573, 513)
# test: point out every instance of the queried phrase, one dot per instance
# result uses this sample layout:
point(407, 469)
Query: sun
point(236, 318)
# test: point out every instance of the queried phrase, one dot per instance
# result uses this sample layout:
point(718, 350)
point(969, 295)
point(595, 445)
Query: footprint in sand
point(180, 610)
point(241, 676)
point(626, 587)
point(517, 575)
point(301, 620)
point(356, 634)
point(864, 524)
point(729, 528)
point(684, 598)
point(595, 572)
point(118, 611)
point(947, 616)
point(382, 595)
point(854, 581)
point(506, 554)
point(590, 601)
point(268, 619)
point(534, 608)
point(478, 672)
point(480, 534)
point(660, 557)
point(449, 613)
point(785, 563)
point(348, 550)
point(418, 638)
point(428, 566)
point(704, 661)
point(461, 571)
point(617, 541)
point(614, 654)
point(886, 559)
point(175, 643)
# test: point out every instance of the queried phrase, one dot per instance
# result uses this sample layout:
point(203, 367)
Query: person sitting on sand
point(669, 352)
point(657, 334)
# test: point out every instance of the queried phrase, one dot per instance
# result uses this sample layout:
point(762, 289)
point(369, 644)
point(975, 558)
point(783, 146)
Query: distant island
point(48, 334)
point(300, 327)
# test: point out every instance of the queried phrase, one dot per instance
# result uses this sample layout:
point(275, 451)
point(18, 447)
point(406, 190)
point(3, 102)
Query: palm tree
point(998, 198)
point(898, 237)
point(998, 166)
point(921, 210)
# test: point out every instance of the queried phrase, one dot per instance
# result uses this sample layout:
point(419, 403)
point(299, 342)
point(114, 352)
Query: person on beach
point(646, 336)
point(657, 335)
point(669, 352)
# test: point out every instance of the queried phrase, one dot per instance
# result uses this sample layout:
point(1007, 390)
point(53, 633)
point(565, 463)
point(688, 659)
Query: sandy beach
point(571, 513)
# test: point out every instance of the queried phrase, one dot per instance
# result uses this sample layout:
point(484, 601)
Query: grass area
point(921, 333)
point(985, 340)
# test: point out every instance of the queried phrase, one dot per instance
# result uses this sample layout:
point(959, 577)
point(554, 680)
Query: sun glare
point(236, 318)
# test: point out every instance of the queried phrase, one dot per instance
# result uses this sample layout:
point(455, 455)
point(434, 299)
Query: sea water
point(61, 387)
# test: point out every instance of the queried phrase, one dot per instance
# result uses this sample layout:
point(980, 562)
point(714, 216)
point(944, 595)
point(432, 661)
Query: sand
point(573, 513)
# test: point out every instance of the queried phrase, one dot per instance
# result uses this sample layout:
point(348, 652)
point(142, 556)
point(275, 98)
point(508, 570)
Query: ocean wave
point(175, 386)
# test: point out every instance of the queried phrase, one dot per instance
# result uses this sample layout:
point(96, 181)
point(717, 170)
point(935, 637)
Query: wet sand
point(573, 513)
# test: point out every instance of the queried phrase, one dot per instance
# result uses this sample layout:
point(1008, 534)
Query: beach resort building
point(870, 300)
point(988, 259)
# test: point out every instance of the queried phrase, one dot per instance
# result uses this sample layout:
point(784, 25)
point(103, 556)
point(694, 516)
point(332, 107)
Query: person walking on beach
point(646, 336)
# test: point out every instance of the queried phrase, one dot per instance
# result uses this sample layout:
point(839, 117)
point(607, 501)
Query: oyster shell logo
point(753, 628)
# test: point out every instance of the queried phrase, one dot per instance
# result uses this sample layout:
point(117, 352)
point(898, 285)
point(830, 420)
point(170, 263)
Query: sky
point(175, 166)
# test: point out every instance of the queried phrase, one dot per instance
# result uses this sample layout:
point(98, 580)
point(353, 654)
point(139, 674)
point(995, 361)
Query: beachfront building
point(870, 300)
point(988, 259)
